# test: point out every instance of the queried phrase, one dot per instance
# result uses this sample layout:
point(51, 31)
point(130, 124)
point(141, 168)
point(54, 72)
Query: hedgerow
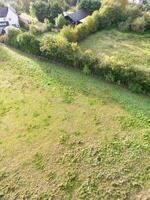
point(24, 41)
point(58, 48)
point(64, 49)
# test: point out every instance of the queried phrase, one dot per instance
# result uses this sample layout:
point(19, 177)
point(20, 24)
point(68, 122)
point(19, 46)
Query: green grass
point(128, 49)
point(64, 135)
point(50, 33)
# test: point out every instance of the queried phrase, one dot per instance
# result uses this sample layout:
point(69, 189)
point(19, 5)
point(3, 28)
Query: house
point(76, 17)
point(136, 1)
point(8, 17)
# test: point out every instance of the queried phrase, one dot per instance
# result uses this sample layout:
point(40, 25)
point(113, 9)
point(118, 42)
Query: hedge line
point(59, 49)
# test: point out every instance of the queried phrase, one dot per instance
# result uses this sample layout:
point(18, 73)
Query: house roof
point(3, 11)
point(78, 15)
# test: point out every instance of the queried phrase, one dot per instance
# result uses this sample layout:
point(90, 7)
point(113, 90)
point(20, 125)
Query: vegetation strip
point(67, 135)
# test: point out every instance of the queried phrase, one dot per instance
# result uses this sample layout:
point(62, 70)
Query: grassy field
point(50, 33)
point(64, 135)
point(128, 49)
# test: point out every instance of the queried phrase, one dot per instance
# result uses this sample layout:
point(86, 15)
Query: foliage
point(24, 41)
point(138, 25)
point(99, 160)
point(38, 28)
point(69, 33)
point(146, 6)
point(113, 13)
point(34, 29)
point(28, 43)
point(90, 5)
point(11, 36)
point(124, 26)
point(60, 21)
point(41, 10)
point(147, 20)
point(58, 48)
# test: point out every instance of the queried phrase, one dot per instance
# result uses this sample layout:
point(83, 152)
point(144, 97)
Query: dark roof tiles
point(3, 11)
point(78, 15)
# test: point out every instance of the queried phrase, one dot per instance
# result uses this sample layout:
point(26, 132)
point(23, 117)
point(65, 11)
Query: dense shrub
point(45, 9)
point(132, 11)
point(34, 29)
point(114, 12)
point(58, 48)
point(133, 78)
point(81, 32)
point(39, 9)
point(147, 20)
point(28, 43)
point(11, 36)
point(38, 27)
point(90, 5)
point(60, 21)
point(69, 33)
point(124, 26)
point(139, 25)
point(146, 7)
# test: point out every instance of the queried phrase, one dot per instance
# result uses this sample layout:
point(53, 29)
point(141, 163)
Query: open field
point(64, 135)
point(129, 49)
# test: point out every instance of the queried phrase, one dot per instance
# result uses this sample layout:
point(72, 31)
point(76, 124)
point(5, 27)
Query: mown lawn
point(64, 135)
point(128, 49)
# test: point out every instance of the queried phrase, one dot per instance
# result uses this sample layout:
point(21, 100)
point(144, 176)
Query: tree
point(90, 5)
point(42, 9)
point(54, 11)
point(39, 9)
point(60, 21)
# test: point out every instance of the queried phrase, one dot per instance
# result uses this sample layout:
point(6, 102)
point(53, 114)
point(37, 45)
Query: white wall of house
point(136, 1)
point(12, 18)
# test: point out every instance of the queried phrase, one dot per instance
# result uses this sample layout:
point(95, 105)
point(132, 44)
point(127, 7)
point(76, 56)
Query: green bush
point(34, 29)
point(69, 33)
point(90, 5)
point(28, 43)
point(11, 36)
point(115, 13)
point(60, 21)
point(132, 12)
point(139, 25)
point(81, 32)
point(124, 26)
point(147, 20)
point(132, 78)
point(58, 48)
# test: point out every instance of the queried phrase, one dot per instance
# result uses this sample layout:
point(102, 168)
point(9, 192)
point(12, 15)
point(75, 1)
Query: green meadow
point(128, 49)
point(68, 136)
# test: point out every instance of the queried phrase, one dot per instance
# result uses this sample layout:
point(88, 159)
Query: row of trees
point(51, 9)
point(44, 10)
point(113, 13)
point(59, 49)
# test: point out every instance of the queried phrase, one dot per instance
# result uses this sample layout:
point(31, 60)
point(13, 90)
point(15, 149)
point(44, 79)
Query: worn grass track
point(64, 135)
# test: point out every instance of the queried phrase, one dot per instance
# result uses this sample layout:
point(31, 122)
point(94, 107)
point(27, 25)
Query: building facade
point(8, 17)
